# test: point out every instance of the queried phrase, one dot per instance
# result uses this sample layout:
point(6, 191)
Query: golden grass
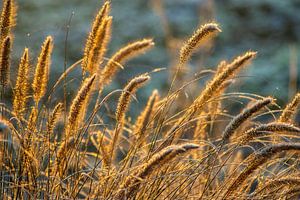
point(21, 89)
point(75, 150)
point(7, 20)
point(97, 40)
point(41, 76)
point(5, 61)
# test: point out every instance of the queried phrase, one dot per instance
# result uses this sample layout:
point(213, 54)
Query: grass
point(175, 149)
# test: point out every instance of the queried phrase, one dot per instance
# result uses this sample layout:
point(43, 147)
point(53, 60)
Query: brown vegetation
point(195, 151)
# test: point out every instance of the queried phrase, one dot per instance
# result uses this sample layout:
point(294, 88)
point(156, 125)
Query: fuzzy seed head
point(97, 40)
point(220, 78)
point(244, 115)
point(41, 75)
point(124, 54)
point(205, 32)
point(125, 98)
point(7, 20)
point(78, 106)
point(289, 112)
point(99, 47)
point(5, 61)
point(21, 89)
point(54, 117)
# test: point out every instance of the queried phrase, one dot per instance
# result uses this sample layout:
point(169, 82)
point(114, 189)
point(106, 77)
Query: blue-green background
point(271, 27)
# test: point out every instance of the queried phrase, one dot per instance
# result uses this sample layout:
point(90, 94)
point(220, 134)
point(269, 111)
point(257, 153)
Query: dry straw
point(285, 181)
point(37, 163)
point(200, 133)
point(257, 160)
point(131, 185)
point(32, 120)
point(211, 88)
point(292, 193)
point(63, 156)
point(103, 146)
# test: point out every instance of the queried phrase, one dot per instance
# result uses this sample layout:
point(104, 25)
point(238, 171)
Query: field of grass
point(182, 145)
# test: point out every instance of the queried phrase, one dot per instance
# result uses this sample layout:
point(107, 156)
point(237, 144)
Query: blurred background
point(271, 27)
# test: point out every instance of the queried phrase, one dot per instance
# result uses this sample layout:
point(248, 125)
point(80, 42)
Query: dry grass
point(195, 151)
